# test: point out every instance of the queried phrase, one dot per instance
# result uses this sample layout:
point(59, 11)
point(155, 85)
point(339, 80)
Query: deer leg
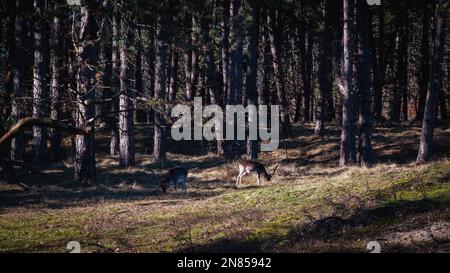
point(238, 179)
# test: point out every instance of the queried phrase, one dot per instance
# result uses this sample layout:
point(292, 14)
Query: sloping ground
point(311, 205)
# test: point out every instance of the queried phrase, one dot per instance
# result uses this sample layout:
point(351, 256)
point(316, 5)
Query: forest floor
point(311, 204)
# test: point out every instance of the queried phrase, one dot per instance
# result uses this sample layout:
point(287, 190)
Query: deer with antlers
point(248, 166)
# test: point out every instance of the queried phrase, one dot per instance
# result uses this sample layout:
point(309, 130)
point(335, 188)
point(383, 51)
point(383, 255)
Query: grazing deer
point(177, 176)
point(247, 166)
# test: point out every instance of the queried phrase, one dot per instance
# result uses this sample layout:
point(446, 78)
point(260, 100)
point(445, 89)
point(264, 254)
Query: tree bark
point(39, 96)
point(435, 85)
point(87, 61)
point(225, 61)
point(252, 66)
point(115, 85)
point(399, 96)
point(57, 64)
point(159, 146)
point(424, 77)
point(173, 74)
point(379, 65)
point(17, 107)
point(325, 69)
point(348, 150)
point(278, 71)
point(126, 101)
point(365, 94)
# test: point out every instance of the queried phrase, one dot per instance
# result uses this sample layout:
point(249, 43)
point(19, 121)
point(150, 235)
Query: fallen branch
point(43, 122)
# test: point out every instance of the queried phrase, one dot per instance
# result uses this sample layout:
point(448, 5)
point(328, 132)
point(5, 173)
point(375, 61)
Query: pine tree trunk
point(348, 149)
point(365, 96)
point(307, 77)
point(325, 70)
point(252, 63)
point(399, 95)
point(17, 107)
point(424, 61)
point(278, 73)
point(115, 88)
point(159, 145)
point(126, 101)
point(57, 64)
point(39, 96)
point(225, 60)
point(435, 85)
point(173, 75)
point(105, 61)
point(378, 64)
point(87, 62)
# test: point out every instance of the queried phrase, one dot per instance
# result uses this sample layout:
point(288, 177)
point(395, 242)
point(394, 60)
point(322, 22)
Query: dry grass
point(311, 205)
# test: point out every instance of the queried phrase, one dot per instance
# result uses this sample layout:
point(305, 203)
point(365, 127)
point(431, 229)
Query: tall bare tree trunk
point(435, 85)
point(17, 107)
point(173, 74)
point(325, 69)
point(225, 61)
point(252, 66)
point(378, 64)
point(57, 64)
point(424, 77)
point(348, 147)
point(39, 75)
point(365, 94)
point(159, 146)
point(86, 82)
point(126, 100)
point(115, 86)
point(278, 71)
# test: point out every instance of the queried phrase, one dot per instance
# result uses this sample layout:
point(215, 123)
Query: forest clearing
point(311, 205)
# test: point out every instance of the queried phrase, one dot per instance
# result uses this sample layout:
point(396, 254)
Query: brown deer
point(177, 177)
point(248, 166)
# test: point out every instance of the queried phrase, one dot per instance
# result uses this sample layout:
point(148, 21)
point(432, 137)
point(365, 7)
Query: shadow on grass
point(337, 234)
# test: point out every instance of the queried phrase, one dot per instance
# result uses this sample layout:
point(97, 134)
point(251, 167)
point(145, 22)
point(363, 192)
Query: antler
point(274, 170)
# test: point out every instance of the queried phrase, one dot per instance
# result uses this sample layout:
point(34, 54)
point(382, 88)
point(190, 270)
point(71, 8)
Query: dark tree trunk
point(225, 62)
point(57, 64)
point(115, 86)
point(435, 85)
point(365, 96)
point(378, 64)
point(159, 146)
point(424, 77)
point(325, 69)
point(348, 146)
point(191, 59)
point(17, 107)
point(234, 96)
point(264, 88)
point(307, 76)
point(278, 72)
point(87, 61)
point(173, 74)
point(252, 62)
point(399, 96)
point(126, 101)
point(39, 75)
point(106, 65)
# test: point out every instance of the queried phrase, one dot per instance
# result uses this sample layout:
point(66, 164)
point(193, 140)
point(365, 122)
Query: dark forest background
point(113, 63)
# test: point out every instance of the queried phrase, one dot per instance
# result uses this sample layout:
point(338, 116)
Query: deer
point(248, 166)
point(177, 177)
